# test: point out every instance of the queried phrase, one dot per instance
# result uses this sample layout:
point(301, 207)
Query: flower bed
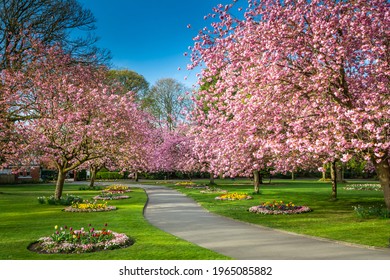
point(89, 207)
point(213, 190)
point(363, 187)
point(116, 189)
point(186, 183)
point(67, 241)
point(234, 196)
point(110, 196)
point(279, 207)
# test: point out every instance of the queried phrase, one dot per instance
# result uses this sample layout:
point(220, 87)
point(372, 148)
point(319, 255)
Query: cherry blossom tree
point(73, 117)
point(303, 82)
point(172, 150)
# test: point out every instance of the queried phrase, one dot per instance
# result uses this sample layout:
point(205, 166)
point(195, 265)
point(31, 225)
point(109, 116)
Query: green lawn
point(23, 220)
point(335, 220)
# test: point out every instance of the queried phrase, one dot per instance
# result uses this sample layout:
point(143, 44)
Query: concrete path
point(179, 215)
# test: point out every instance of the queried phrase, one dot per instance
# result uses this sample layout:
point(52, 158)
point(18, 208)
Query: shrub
point(69, 199)
point(52, 201)
point(42, 200)
point(66, 200)
point(108, 175)
point(371, 211)
point(363, 187)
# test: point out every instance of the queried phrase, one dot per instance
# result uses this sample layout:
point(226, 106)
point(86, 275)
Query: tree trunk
point(60, 184)
point(339, 173)
point(324, 172)
point(93, 170)
point(333, 174)
point(292, 175)
point(343, 172)
point(256, 181)
point(383, 171)
point(136, 176)
point(212, 182)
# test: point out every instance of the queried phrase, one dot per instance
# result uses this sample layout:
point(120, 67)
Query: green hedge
point(109, 175)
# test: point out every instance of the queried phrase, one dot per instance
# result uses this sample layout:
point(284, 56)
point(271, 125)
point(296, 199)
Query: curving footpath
point(179, 215)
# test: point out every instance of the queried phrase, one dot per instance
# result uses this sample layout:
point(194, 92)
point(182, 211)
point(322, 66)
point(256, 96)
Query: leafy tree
point(168, 101)
point(128, 80)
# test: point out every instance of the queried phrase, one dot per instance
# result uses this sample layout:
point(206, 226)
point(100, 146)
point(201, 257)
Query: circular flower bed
point(116, 189)
point(67, 241)
point(234, 196)
point(110, 196)
point(185, 183)
point(279, 207)
point(89, 207)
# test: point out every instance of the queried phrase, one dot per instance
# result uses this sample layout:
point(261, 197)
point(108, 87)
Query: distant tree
point(167, 100)
point(49, 21)
point(128, 80)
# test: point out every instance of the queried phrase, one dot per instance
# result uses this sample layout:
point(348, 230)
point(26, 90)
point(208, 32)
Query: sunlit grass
point(335, 220)
point(23, 220)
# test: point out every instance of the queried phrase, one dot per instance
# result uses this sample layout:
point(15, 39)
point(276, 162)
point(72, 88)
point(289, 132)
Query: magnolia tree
point(74, 118)
point(304, 82)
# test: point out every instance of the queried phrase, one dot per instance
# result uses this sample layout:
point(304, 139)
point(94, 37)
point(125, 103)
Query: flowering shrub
point(68, 240)
point(116, 189)
point(89, 207)
point(233, 196)
point(363, 187)
point(278, 207)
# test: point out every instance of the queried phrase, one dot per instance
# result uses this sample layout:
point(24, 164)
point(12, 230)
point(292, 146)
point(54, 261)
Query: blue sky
point(150, 37)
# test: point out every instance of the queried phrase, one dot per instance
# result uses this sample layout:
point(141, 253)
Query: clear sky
point(151, 36)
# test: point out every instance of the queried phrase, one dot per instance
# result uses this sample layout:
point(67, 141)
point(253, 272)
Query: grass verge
point(335, 220)
point(24, 220)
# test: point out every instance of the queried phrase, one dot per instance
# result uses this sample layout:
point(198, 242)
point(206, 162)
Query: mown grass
point(335, 220)
point(23, 220)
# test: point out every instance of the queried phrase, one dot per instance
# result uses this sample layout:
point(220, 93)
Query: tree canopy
point(64, 22)
point(299, 83)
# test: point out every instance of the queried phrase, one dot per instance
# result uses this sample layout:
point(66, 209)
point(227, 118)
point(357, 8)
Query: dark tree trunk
point(383, 171)
point(212, 182)
point(333, 173)
point(60, 184)
point(93, 170)
point(339, 172)
point(136, 176)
